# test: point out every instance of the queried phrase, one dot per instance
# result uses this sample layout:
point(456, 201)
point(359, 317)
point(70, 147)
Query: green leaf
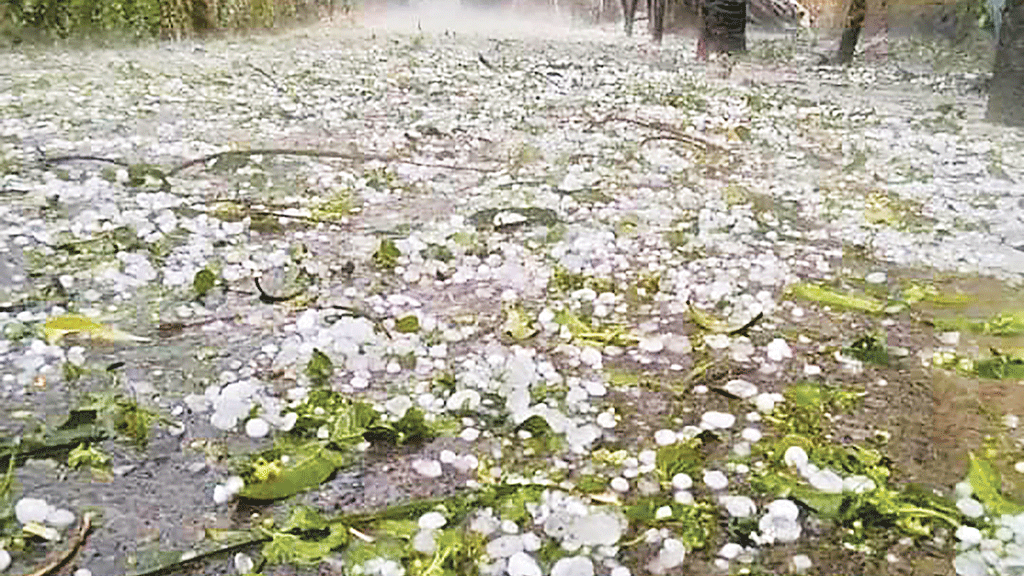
point(986, 483)
point(203, 282)
point(831, 297)
point(869, 348)
point(387, 254)
point(408, 325)
point(517, 324)
point(59, 326)
point(714, 325)
point(304, 518)
point(675, 458)
point(301, 473)
point(306, 549)
point(319, 368)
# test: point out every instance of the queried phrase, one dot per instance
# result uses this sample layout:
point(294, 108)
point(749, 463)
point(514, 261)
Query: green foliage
point(203, 282)
point(869, 348)
point(695, 524)
point(681, 457)
point(386, 256)
point(88, 456)
point(288, 474)
point(986, 484)
point(319, 368)
point(408, 324)
point(831, 297)
point(305, 539)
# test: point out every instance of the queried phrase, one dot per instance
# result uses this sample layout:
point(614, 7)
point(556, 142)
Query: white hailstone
point(600, 529)
point(221, 494)
point(257, 428)
point(29, 510)
point(306, 321)
point(573, 566)
point(827, 481)
point(800, 564)
point(60, 518)
point(470, 434)
point(858, 484)
point(740, 388)
point(234, 484)
point(81, 572)
point(778, 350)
point(682, 481)
point(522, 564)
point(779, 523)
point(606, 419)
point(447, 457)
point(672, 554)
point(425, 541)
point(620, 571)
point(509, 527)
point(796, 457)
point(1019, 467)
point(738, 506)
point(713, 420)
point(595, 388)
point(683, 497)
point(663, 512)
point(1004, 533)
point(591, 357)
point(432, 521)
point(665, 437)
point(717, 341)
point(730, 550)
point(765, 402)
point(812, 369)
point(968, 536)
point(466, 399)
point(647, 457)
point(751, 435)
point(531, 542)
point(398, 405)
point(651, 344)
point(428, 468)
point(466, 463)
point(1011, 421)
point(619, 484)
point(504, 546)
point(963, 490)
point(877, 277)
point(5, 559)
point(715, 479)
point(243, 563)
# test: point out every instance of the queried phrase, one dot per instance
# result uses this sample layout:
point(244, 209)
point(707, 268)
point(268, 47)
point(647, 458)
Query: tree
point(1006, 93)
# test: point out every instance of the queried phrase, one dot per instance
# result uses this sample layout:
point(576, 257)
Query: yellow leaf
point(60, 326)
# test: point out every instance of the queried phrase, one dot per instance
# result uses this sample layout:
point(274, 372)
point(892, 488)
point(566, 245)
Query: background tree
point(1006, 94)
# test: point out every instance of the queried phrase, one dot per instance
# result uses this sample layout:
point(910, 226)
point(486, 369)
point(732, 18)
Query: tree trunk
point(870, 17)
point(629, 14)
point(1006, 94)
point(723, 27)
point(657, 16)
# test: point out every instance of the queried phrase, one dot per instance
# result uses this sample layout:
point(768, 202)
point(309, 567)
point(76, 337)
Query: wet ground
point(436, 122)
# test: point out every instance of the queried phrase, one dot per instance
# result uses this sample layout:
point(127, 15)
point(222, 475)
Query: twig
point(76, 157)
point(315, 154)
point(76, 543)
point(673, 133)
point(267, 76)
point(181, 564)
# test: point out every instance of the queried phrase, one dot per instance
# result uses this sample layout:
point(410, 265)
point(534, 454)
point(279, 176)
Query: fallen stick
point(65, 557)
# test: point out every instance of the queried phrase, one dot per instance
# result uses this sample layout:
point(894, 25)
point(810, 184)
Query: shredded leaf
point(831, 297)
point(59, 326)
